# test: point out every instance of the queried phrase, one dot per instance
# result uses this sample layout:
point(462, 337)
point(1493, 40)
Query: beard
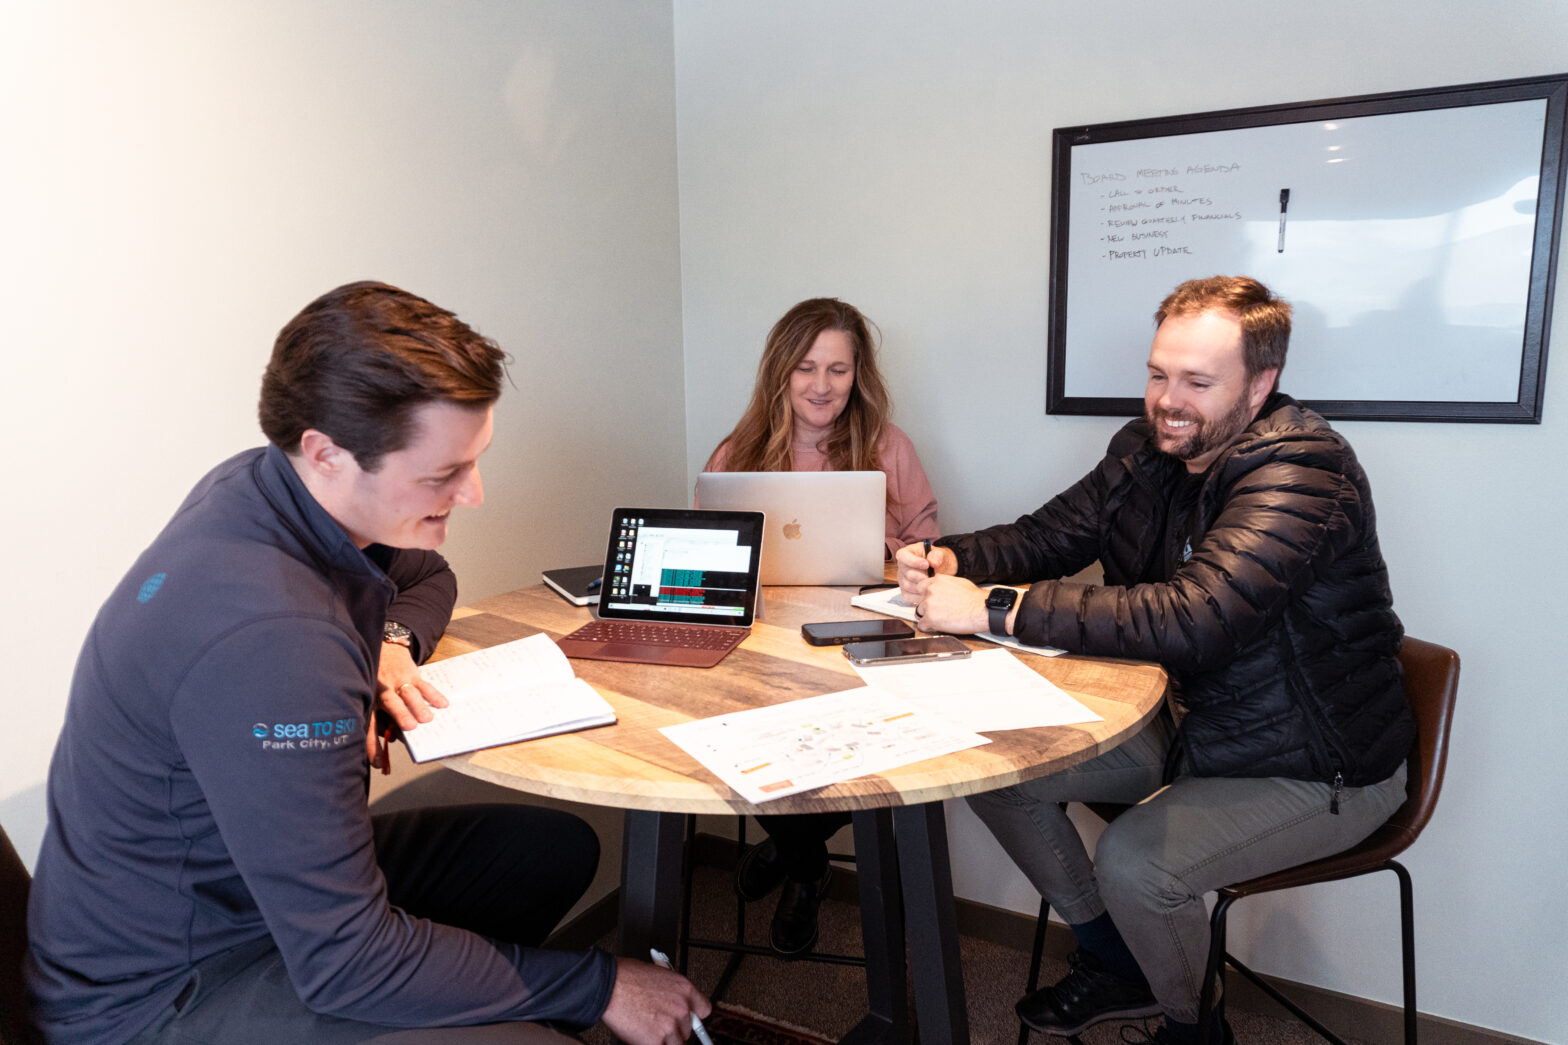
point(1204, 436)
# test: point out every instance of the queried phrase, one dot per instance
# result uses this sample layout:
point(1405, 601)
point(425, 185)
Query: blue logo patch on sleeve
point(150, 587)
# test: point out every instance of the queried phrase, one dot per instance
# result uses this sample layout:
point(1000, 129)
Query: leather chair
point(1431, 684)
point(14, 886)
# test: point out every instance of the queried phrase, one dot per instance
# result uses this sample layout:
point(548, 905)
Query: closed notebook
point(578, 585)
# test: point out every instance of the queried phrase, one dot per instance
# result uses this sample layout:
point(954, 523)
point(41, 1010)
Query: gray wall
point(897, 155)
point(180, 178)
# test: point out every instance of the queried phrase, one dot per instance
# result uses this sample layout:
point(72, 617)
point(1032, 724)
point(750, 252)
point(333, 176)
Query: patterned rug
point(733, 1025)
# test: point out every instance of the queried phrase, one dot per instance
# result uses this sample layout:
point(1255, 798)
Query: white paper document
point(767, 753)
point(987, 691)
point(889, 602)
point(503, 694)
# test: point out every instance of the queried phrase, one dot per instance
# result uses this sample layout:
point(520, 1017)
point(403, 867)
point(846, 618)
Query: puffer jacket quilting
point(1279, 631)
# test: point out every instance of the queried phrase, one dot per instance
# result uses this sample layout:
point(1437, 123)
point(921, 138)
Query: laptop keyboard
point(688, 636)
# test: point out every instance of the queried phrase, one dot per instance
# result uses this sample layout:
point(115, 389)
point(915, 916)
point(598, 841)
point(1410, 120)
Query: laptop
point(680, 587)
point(823, 527)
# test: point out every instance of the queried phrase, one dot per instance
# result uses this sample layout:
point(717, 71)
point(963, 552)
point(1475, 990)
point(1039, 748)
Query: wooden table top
point(632, 765)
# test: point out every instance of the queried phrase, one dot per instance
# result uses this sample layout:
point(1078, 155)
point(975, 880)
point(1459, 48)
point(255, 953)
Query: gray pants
point(244, 997)
point(1156, 861)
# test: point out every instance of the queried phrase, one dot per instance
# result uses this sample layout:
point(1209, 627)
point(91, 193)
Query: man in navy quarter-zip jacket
point(1239, 546)
point(211, 871)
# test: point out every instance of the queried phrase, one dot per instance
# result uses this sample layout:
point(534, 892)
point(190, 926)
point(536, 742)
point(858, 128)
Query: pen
point(930, 571)
point(1284, 201)
point(662, 960)
point(593, 585)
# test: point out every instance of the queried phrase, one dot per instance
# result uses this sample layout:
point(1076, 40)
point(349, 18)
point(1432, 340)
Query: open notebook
point(680, 587)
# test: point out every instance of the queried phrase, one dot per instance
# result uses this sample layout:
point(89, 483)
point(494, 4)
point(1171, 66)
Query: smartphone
point(838, 632)
point(902, 651)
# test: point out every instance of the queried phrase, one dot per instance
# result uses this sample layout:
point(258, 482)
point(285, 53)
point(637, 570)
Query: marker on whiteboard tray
point(1284, 201)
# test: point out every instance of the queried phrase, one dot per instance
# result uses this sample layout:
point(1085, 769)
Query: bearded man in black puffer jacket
point(1239, 545)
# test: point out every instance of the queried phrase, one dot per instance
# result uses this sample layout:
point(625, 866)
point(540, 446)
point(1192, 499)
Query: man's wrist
point(1000, 603)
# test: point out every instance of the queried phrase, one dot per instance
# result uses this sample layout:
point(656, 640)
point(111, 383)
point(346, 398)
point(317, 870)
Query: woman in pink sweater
point(819, 404)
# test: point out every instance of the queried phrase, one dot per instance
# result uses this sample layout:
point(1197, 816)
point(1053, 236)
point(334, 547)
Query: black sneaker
point(759, 871)
point(794, 929)
point(1085, 996)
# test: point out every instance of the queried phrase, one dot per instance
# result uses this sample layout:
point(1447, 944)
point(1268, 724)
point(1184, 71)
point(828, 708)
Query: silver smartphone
point(903, 651)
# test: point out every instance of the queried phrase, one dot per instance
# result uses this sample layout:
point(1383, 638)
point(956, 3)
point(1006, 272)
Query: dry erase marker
point(662, 960)
point(1284, 201)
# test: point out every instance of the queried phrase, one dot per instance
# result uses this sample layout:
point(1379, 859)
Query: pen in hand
point(662, 960)
point(930, 570)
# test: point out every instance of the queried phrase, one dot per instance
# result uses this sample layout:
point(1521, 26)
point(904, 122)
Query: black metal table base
point(905, 878)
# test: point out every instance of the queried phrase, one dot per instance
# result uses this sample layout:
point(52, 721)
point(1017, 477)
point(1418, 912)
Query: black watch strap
point(998, 604)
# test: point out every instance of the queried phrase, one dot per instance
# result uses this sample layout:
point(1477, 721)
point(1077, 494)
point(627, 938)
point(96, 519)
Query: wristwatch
point(997, 605)
point(397, 634)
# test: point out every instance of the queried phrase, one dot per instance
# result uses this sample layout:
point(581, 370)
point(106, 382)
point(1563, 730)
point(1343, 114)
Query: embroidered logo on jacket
point(150, 587)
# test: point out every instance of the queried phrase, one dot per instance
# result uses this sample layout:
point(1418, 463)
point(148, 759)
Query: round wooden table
point(900, 834)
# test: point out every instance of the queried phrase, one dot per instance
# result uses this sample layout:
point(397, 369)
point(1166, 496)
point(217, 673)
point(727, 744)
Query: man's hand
point(945, 602)
point(400, 692)
point(915, 567)
point(652, 1006)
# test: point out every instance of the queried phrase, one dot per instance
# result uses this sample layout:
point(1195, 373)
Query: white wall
point(181, 177)
point(896, 154)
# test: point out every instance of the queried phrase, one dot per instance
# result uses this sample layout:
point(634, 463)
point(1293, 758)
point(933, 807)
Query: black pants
point(476, 867)
point(802, 841)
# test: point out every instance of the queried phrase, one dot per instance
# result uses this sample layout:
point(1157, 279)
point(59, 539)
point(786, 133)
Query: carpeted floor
point(829, 999)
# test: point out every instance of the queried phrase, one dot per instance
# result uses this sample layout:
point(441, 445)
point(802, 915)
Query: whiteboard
point(1416, 246)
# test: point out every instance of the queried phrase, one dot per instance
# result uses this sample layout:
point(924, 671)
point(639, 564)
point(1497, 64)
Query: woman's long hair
point(761, 442)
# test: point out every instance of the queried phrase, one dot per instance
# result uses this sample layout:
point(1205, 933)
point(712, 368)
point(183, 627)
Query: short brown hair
point(357, 362)
point(1264, 318)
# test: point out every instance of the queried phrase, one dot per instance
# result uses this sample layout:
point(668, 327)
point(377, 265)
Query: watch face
point(1001, 599)
point(393, 632)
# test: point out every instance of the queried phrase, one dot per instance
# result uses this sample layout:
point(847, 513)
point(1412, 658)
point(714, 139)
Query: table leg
point(932, 923)
point(881, 933)
point(652, 849)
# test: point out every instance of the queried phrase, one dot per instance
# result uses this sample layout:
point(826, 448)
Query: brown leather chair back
point(1431, 685)
point(14, 886)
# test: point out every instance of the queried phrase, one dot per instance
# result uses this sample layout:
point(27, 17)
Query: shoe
point(759, 872)
point(1085, 996)
point(794, 930)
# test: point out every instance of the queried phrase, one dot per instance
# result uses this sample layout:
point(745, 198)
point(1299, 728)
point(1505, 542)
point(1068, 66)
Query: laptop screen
point(682, 565)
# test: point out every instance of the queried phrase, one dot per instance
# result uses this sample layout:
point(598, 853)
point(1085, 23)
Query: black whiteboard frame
point(1525, 409)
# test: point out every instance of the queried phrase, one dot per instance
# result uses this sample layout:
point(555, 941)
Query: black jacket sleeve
point(426, 593)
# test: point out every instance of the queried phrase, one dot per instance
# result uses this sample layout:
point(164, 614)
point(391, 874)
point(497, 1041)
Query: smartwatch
point(997, 605)
point(398, 634)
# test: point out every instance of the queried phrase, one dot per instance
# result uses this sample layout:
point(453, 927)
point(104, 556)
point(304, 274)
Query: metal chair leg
point(1218, 959)
point(1036, 954)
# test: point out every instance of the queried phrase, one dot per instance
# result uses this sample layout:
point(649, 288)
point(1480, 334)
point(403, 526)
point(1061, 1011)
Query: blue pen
point(593, 585)
point(662, 960)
